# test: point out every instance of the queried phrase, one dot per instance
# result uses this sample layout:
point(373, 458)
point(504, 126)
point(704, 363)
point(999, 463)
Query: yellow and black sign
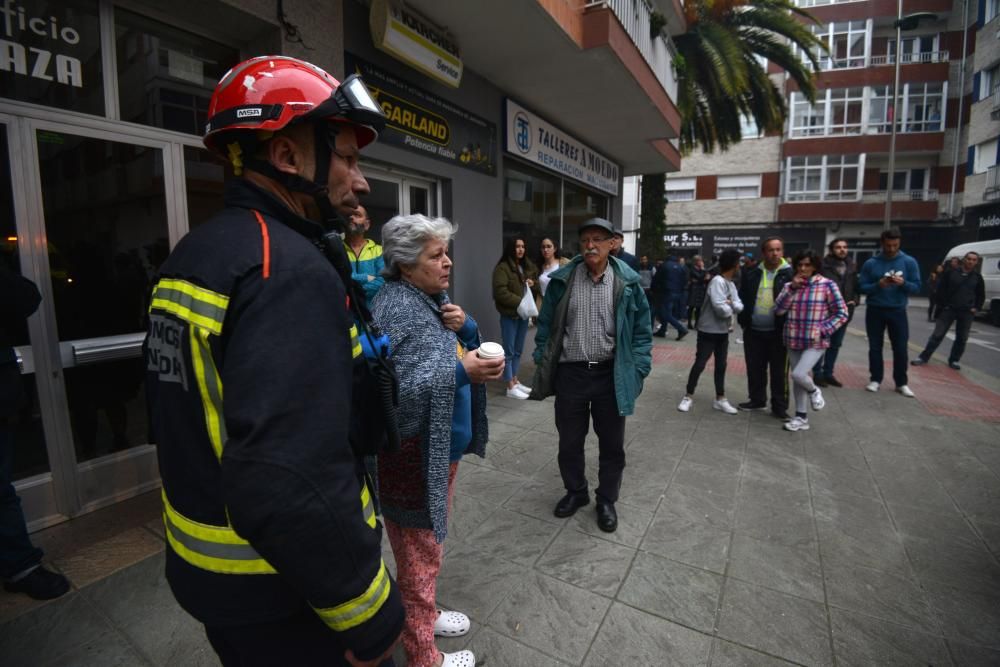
point(426, 124)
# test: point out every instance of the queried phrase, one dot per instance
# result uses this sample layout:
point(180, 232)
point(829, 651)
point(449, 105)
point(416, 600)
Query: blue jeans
point(669, 311)
point(877, 321)
point(16, 551)
point(824, 367)
point(512, 333)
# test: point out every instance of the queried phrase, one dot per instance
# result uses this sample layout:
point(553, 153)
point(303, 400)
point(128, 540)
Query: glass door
point(100, 223)
point(393, 193)
point(24, 455)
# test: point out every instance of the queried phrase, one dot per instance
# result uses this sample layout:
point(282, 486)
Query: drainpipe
point(961, 101)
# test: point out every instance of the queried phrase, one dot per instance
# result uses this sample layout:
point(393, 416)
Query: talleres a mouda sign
point(534, 139)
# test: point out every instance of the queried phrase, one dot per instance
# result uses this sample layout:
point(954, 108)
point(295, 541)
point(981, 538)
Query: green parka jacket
point(633, 333)
point(508, 286)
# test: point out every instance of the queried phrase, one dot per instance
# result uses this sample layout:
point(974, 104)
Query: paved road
point(982, 353)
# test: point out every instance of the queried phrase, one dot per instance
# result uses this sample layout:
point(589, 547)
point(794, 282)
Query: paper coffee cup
point(490, 351)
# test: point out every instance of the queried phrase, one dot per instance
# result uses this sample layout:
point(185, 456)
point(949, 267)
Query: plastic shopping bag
point(527, 309)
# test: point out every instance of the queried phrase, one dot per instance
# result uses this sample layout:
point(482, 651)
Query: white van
point(989, 266)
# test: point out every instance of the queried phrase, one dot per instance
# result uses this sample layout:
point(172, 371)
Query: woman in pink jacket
point(814, 310)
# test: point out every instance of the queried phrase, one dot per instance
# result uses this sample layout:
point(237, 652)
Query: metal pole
point(887, 222)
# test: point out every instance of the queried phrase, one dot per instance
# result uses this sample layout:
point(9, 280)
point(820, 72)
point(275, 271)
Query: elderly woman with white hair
point(442, 415)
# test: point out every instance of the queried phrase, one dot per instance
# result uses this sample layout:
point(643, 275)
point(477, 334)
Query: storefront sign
point(407, 37)
point(533, 139)
point(986, 220)
point(713, 242)
point(683, 240)
point(426, 124)
point(17, 55)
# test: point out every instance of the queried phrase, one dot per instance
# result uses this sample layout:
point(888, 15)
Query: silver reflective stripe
point(213, 549)
point(372, 600)
point(196, 306)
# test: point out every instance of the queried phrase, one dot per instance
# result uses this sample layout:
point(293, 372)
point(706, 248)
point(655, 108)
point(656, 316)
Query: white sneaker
point(724, 405)
point(872, 386)
point(451, 624)
point(797, 424)
point(516, 393)
point(685, 404)
point(523, 388)
point(816, 399)
point(905, 391)
point(460, 659)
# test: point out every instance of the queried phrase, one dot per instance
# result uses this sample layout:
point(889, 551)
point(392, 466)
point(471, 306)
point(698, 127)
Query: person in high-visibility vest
point(251, 353)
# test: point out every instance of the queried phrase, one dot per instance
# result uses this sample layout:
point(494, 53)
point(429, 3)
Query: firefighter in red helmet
point(250, 352)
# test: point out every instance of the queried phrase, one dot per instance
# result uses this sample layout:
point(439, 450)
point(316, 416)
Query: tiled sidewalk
point(871, 539)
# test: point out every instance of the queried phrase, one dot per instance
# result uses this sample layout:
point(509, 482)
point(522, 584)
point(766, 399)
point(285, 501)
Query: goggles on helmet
point(351, 101)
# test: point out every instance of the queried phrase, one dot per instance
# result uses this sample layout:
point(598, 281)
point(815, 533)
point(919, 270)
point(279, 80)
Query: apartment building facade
point(827, 173)
point(496, 121)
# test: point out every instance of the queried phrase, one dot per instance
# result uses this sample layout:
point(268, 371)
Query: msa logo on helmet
point(256, 112)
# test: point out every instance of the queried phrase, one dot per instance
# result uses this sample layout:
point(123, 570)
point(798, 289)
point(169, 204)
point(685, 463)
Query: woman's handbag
point(527, 309)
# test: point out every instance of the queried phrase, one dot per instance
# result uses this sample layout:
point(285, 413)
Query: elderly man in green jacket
point(592, 351)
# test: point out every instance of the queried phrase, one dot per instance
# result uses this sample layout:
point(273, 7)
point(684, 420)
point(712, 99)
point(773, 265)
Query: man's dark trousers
point(877, 320)
point(580, 394)
point(765, 352)
point(963, 324)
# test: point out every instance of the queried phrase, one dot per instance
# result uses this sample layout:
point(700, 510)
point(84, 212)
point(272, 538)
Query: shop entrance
point(392, 193)
point(86, 219)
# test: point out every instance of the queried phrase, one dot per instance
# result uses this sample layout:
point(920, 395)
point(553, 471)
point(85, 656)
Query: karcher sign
point(405, 36)
point(533, 139)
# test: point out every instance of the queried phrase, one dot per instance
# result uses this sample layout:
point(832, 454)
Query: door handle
point(109, 348)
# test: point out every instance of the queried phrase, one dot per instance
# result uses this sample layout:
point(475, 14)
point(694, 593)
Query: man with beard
point(365, 254)
point(838, 267)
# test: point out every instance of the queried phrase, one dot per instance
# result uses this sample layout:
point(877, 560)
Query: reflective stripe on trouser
point(356, 350)
point(213, 548)
point(360, 609)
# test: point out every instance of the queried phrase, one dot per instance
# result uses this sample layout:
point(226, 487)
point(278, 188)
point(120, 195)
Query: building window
point(165, 75)
point(911, 181)
point(989, 81)
point(739, 187)
point(823, 178)
point(992, 10)
point(986, 157)
point(847, 42)
point(680, 189)
point(922, 49)
point(808, 119)
point(921, 107)
point(845, 110)
point(748, 128)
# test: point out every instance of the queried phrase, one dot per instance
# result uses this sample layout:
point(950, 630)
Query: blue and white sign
point(533, 139)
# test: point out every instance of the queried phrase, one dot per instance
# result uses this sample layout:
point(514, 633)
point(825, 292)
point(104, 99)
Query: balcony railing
point(992, 190)
point(657, 51)
point(878, 196)
point(910, 58)
point(867, 197)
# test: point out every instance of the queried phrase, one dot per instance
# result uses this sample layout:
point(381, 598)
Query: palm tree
point(720, 77)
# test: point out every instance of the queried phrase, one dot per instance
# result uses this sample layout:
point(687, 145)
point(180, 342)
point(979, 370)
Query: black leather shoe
point(661, 333)
point(681, 335)
point(954, 365)
point(40, 584)
point(750, 405)
point(780, 414)
point(834, 382)
point(607, 518)
point(820, 382)
point(570, 503)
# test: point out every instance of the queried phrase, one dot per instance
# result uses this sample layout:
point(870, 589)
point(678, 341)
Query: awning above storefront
point(579, 68)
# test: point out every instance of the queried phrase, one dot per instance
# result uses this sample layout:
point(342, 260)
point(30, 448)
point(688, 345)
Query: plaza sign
point(21, 29)
point(533, 139)
point(407, 37)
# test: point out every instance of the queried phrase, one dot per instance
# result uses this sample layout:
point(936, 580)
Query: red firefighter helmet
point(268, 93)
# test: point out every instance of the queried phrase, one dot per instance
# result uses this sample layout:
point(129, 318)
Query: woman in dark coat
point(512, 275)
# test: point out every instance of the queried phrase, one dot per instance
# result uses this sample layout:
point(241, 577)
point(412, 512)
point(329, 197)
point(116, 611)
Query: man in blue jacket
point(669, 283)
point(593, 349)
point(888, 279)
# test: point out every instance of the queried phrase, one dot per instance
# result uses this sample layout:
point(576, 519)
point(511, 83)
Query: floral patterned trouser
point(418, 561)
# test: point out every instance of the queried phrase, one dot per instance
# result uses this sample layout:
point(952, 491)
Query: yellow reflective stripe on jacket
point(367, 507)
point(193, 304)
point(355, 342)
point(213, 548)
point(360, 609)
point(209, 387)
